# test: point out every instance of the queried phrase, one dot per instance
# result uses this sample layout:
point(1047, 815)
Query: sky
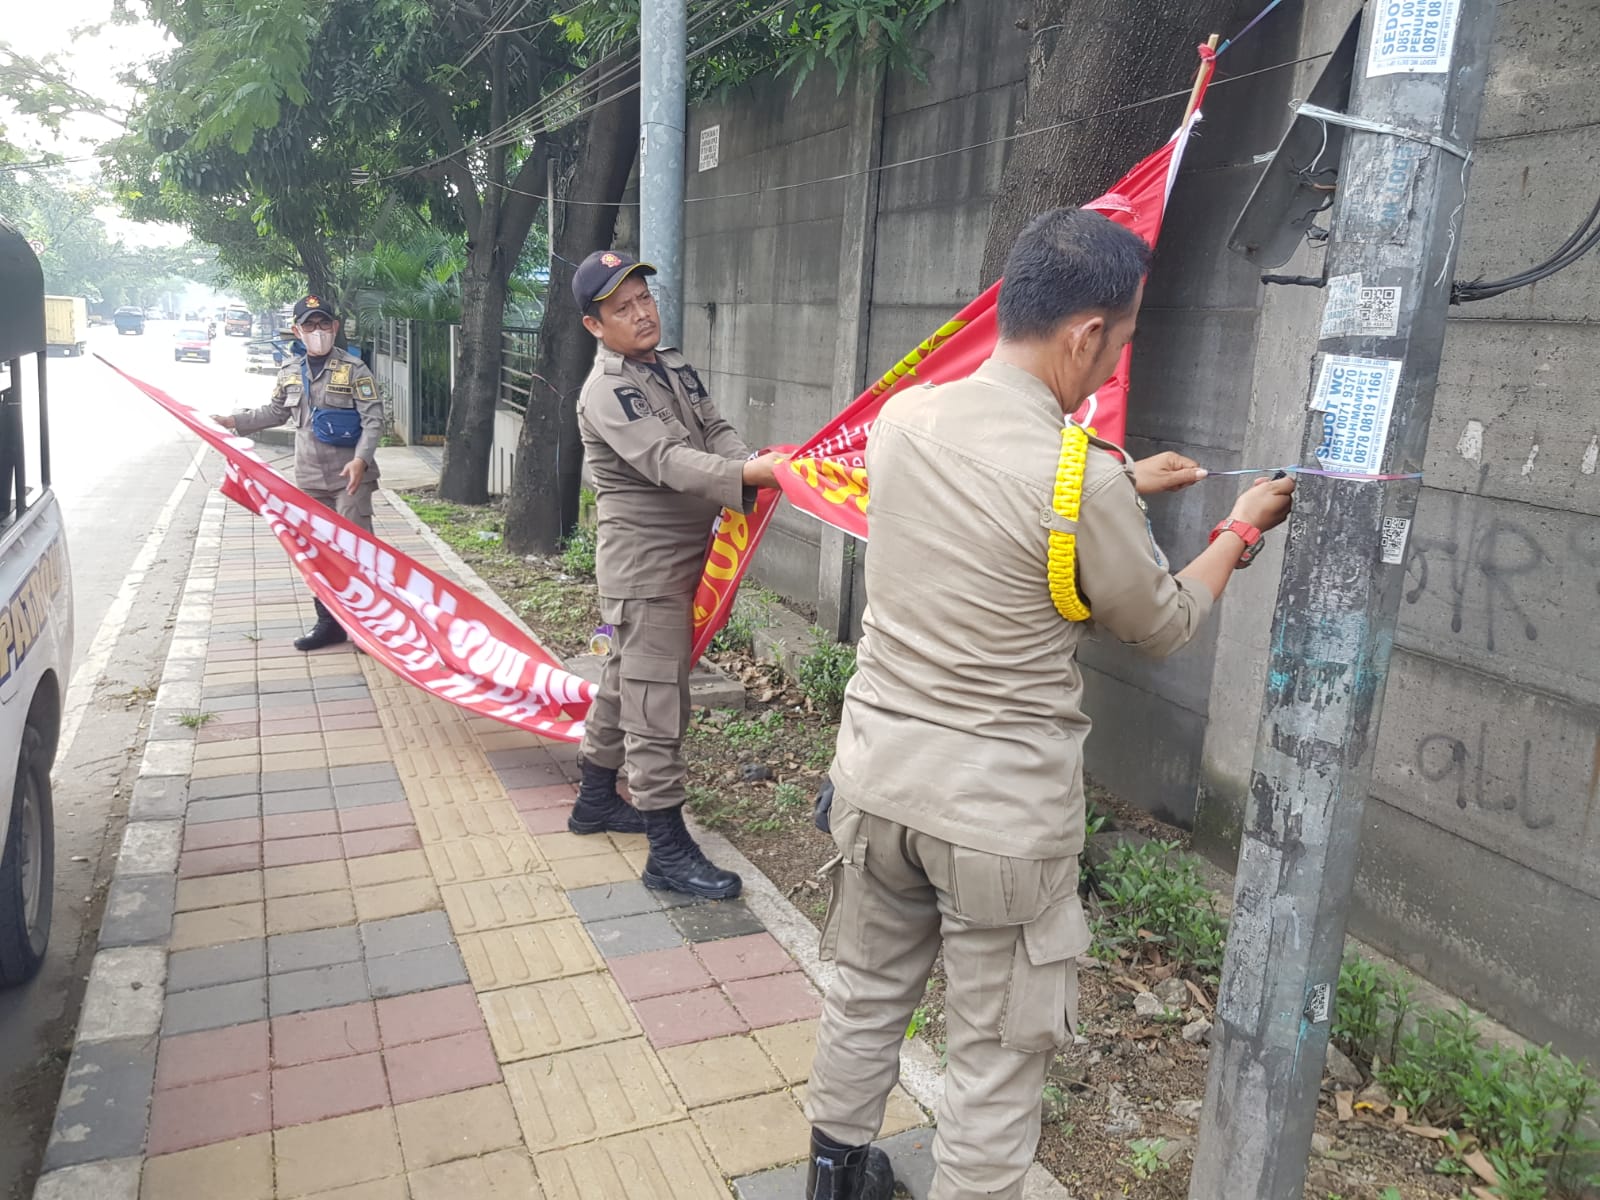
point(40, 27)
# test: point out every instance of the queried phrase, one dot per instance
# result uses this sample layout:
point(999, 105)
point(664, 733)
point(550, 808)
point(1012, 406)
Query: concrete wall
point(1482, 842)
point(1481, 847)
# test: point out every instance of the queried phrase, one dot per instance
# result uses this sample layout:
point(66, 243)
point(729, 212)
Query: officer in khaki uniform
point(664, 463)
point(333, 400)
point(998, 530)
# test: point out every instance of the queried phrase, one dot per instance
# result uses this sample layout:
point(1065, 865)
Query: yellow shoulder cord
point(1063, 545)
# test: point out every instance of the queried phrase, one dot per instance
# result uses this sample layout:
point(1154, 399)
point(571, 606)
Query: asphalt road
point(118, 467)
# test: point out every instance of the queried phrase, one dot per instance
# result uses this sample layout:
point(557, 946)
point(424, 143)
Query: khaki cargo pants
point(356, 509)
point(1011, 930)
point(639, 716)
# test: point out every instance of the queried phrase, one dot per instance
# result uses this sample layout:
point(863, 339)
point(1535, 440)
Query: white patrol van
point(35, 618)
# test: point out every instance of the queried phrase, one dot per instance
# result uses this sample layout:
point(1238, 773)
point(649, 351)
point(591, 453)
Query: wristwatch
point(1249, 533)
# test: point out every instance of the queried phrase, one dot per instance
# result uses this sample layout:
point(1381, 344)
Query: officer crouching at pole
point(664, 462)
point(333, 400)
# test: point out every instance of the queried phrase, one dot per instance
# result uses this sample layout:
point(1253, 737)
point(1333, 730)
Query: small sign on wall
point(1412, 36)
point(710, 146)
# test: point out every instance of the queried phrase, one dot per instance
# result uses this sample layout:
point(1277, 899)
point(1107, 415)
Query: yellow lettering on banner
point(733, 535)
point(844, 485)
point(908, 365)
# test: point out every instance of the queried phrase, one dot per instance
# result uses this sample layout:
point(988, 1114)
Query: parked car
point(129, 320)
point(260, 356)
point(191, 342)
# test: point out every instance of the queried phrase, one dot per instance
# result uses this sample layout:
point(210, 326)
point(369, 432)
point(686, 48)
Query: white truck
point(66, 324)
point(35, 615)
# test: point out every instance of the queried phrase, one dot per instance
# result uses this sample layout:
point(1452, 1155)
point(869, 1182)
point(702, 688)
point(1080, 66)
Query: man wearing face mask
point(664, 464)
point(958, 807)
point(333, 400)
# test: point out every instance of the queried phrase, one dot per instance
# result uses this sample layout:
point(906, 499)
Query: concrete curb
point(96, 1147)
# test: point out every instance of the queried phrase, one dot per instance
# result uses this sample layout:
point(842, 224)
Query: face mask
point(318, 341)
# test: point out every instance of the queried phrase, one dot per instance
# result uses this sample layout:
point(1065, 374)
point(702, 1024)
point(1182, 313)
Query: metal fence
point(519, 346)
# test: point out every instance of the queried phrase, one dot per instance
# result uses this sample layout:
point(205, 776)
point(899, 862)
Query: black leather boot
point(326, 632)
point(676, 862)
point(847, 1172)
point(600, 808)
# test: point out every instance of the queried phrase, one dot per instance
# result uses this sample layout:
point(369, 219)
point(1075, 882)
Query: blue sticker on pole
point(1356, 397)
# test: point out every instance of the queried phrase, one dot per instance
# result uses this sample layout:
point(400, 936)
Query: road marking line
point(86, 679)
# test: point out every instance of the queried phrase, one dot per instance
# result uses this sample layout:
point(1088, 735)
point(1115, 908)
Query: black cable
point(1584, 239)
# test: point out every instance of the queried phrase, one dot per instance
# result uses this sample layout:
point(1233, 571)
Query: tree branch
point(522, 195)
point(456, 169)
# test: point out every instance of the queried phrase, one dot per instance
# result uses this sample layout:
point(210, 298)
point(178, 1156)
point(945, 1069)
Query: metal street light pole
point(663, 118)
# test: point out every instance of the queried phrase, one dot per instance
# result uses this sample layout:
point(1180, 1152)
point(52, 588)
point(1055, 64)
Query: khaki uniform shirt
point(664, 464)
point(343, 382)
point(965, 716)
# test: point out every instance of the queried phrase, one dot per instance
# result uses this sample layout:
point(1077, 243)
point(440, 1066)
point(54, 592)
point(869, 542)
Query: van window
point(24, 440)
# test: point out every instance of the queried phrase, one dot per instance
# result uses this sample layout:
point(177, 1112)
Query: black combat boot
point(599, 808)
point(326, 632)
point(847, 1172)
point(676, 862)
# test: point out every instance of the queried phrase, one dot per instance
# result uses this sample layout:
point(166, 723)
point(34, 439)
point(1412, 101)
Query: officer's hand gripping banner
point(827, 477)
point(424, 628)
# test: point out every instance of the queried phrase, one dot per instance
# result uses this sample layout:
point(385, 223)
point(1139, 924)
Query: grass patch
point(196, 720)
point(752, 611)
point(1151, 898)
point(824, 673)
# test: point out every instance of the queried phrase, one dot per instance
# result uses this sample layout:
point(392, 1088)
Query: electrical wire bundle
point(1583, 240)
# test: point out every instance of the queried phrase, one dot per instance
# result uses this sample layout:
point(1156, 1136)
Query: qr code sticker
point(1378, 311)
point(1395, 530)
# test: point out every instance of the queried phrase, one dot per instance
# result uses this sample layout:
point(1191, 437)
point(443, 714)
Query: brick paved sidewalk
point(350, 951)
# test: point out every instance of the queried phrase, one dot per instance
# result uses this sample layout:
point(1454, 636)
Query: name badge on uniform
point(339, 378)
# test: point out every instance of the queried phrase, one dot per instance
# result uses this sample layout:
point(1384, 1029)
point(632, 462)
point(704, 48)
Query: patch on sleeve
point(365, 388)
point(634, 406)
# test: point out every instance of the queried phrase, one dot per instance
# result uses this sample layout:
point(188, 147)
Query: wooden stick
point(1200, 77)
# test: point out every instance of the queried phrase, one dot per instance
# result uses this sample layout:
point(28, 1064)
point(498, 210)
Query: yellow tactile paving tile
point(557, 1015)
point(669, 1162)
point(452, 822)
point(564, 1099)
point(463, 860)
point(497, 903)
point(522, 954)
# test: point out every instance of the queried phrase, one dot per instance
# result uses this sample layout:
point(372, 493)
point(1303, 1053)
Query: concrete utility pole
point(1396, 227)
point(663, 118)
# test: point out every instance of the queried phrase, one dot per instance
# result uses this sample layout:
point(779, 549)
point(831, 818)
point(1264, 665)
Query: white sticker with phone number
point(1412, 36)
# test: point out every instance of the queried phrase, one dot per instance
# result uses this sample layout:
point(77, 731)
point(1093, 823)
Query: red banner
point(415, 622)
point(827, 476)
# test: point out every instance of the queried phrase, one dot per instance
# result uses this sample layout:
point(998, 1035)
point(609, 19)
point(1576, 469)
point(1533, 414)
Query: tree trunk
point(498, 222)
point(469, 430)
point(543, 504)
point(1087, 56)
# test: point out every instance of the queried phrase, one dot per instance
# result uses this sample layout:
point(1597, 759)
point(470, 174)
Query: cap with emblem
point(307, 305)
point(600, 274)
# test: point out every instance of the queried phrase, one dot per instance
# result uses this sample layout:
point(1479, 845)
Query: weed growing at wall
point(1151, 897)
point(577, 552)
point(823, 673)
